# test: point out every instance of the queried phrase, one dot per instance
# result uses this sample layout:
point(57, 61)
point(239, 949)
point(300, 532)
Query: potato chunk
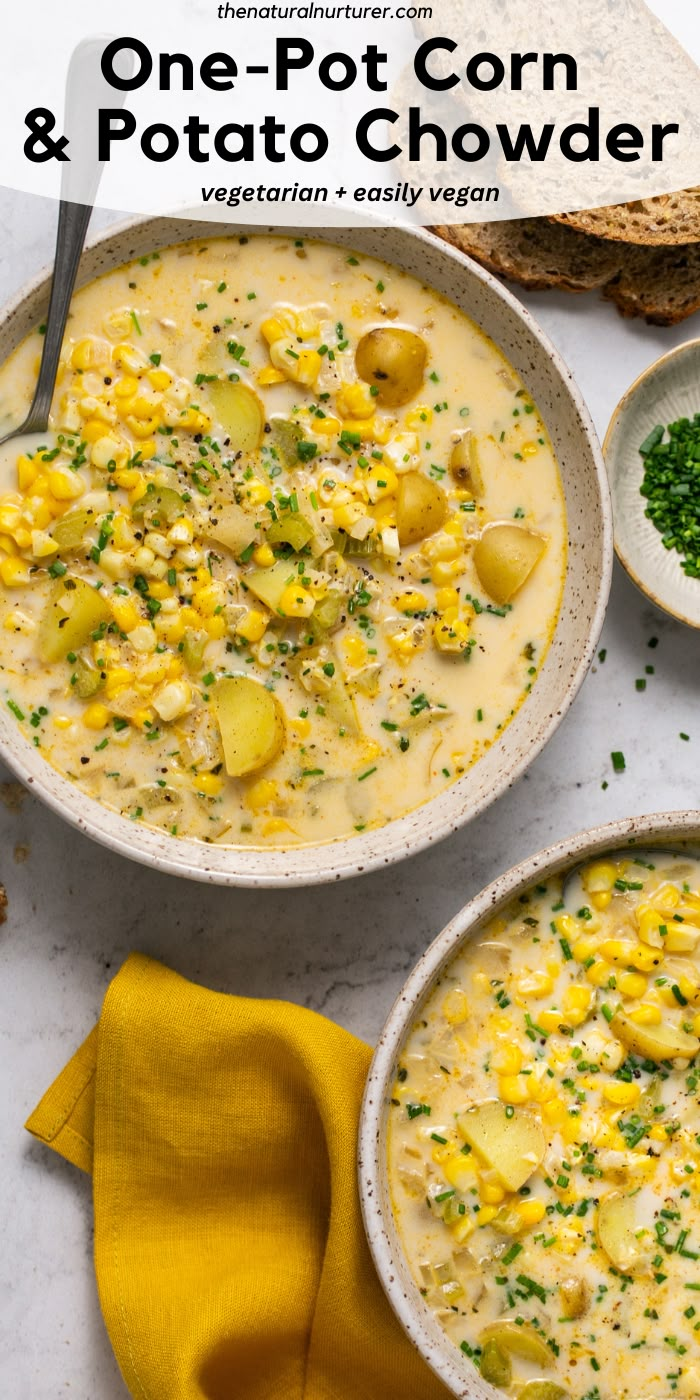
point(617, 1229)
point(465, 467)
point(512, 1146)
point(421, 508)
point(74, 611)
point(232, 526)
point(251, 723)
point(520, 1339)
point(658, 1043)
point(269, 584)
point(240, 413)
point(504, 558)
point(394, 361)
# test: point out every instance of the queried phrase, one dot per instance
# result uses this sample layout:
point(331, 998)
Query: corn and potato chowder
point(292, 553)
point(544, 1146)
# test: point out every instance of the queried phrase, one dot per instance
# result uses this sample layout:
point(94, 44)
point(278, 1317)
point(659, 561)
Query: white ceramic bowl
point(585, 595)
point(669, 389)
point(680, 830)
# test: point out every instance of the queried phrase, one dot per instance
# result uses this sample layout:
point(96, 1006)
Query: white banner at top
point(320, 113)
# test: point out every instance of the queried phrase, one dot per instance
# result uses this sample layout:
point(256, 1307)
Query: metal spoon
point(86, 89)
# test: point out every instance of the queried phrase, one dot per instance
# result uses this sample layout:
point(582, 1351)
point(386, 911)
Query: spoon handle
point(73, 220)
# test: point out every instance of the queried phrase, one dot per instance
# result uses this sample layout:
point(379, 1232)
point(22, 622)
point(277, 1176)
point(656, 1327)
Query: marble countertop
point(75, 910)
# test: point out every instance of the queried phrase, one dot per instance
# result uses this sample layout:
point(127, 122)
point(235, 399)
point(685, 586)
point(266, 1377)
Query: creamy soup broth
point(544, 1144)
point(292, 553)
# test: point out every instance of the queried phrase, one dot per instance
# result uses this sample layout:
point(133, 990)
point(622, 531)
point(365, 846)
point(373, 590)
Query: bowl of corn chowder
point(529, 1134)
point(312, 558)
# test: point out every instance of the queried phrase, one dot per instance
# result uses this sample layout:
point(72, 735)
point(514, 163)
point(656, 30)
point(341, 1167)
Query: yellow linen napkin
point(230, 1254)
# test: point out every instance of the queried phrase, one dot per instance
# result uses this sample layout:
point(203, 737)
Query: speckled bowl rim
point(404, 836)
point(403, 1294)
point(615, 420)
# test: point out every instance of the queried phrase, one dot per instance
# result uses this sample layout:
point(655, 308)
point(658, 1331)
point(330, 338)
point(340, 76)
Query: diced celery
point(161, 502)
point(69, 531)
point(87, 678)
point(291, 529)
point(193, 644)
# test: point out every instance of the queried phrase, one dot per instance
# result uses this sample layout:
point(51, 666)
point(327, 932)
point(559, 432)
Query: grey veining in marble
point(75, 910)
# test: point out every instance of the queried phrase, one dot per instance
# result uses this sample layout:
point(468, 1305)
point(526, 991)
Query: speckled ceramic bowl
point(679, 830)
point(667, 390)
point(585, 594)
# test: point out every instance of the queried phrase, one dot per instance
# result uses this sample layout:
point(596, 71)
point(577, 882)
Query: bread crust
point(661, 284)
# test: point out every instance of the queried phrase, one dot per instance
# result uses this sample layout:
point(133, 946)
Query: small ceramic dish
point(667, 390)
point(675, 830)
point(585, 596)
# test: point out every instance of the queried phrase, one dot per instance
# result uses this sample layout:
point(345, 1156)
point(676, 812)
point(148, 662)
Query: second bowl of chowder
point(529, 1135)
point(312, 559)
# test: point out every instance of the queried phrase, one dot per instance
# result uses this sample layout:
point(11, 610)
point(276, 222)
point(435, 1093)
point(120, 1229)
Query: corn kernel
point(66, 485)
point(512, 1088)
point(96, 716)
point(535, 984)
point(486, 1214)
point(455, 1007)
point(632, 984)
point(268, 375)
point(531, 1212)
point(381, 481)
point(601, 899)
point(554, 1111)
point(355, 401)
point(253, 626)
point(263, 556)
point(300, 726)
point(27, 472)
point(210, 784)
point(296, 601)
point(62, 721)
point(261, 794)
point(446, 598)
point(443, 571)
point(491, 1193)
point(160, 379)
point(90, 353)
point(275, 825)
point(459, 1171)
point(326, 427)
point(273, 328)
point(412, 601)
point(600, 876)
point(215, 626)
point(620, 1094)
point(172, 700)
point(419, 417)
point(14, 571)
point(646, 1015)
point(507, 1059)
point(584, 948)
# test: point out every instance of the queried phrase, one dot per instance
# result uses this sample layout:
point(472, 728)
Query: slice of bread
point(667, 219)
point(537, 254)
point(661, 284)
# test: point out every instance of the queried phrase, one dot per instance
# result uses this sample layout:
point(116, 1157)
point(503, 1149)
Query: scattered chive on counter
point(671, 485)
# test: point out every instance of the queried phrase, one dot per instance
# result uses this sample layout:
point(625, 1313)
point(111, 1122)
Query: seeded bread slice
point(660, 284)
point(667, 219)
point(537, 254)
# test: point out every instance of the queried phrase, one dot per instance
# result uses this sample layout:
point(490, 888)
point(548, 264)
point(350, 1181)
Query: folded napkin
point(230, 1254)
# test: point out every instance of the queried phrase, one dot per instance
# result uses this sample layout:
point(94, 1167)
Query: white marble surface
point(75, 911)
